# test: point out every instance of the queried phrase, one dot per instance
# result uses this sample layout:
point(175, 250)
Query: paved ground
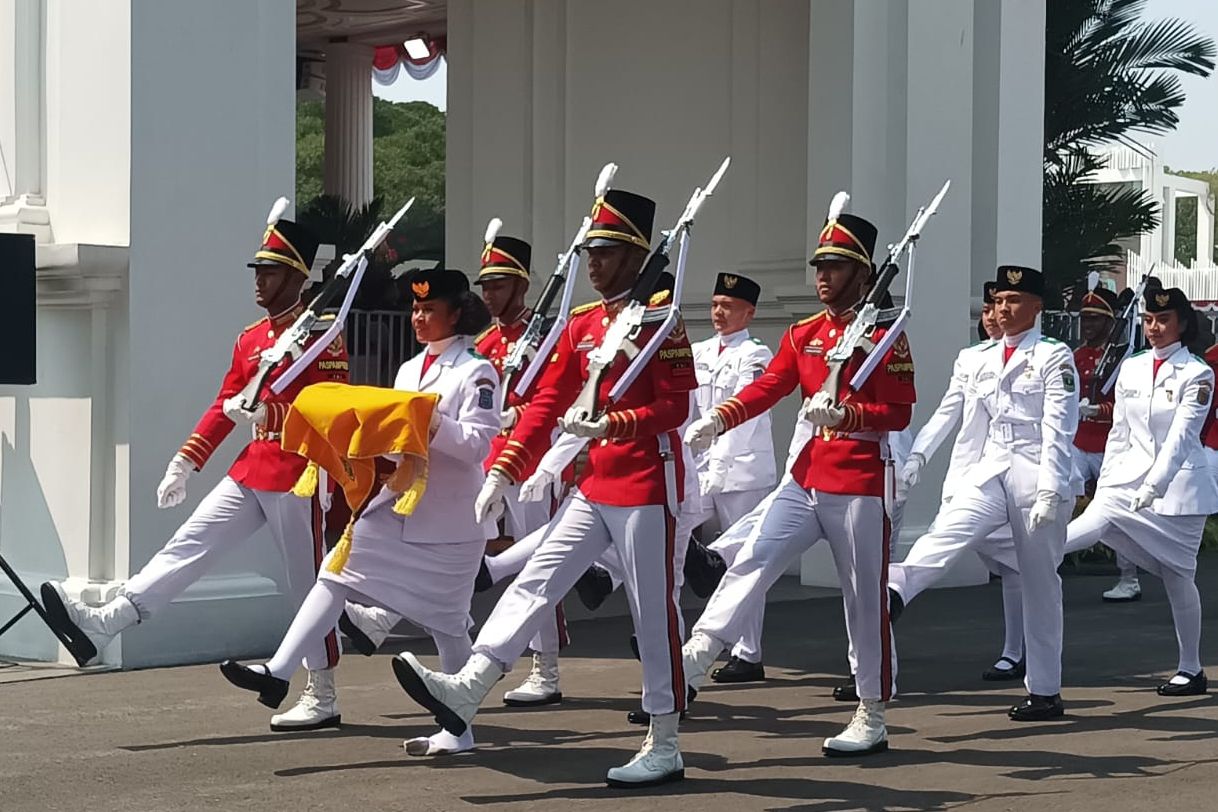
point(182, 739)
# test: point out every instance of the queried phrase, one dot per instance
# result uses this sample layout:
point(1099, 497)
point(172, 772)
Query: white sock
point(315, 618)
point(1186, 612)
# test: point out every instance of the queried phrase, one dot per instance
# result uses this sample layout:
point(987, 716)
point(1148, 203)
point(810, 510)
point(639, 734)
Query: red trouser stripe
point(674, 622)
point(885, 623)
point(560, 618)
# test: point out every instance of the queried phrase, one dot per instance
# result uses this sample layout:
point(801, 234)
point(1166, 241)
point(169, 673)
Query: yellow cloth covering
point(343, 429)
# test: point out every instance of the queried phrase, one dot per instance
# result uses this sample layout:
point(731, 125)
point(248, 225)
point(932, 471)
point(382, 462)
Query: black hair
point(981, 333)
point(474, 316)
point(1189, 329)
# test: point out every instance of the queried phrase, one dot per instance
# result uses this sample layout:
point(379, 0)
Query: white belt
point(1004, 432)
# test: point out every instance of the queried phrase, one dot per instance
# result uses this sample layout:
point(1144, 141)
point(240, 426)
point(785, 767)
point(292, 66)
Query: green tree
point(408, 150)
point(1186, 217)
point(1109, 77)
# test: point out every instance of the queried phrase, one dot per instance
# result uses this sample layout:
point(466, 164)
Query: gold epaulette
point(323, 323)
point(584, 308)
point(249, 327)
point(659, 298)
point(811, 318)
point(478, 338)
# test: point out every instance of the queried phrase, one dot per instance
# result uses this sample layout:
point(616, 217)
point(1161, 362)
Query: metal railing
point(1064, 327)
point(378, 342)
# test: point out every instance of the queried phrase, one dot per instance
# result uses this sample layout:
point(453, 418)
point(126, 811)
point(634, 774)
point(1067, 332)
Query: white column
point(348, 164)
point(1168, 225)
point(28, 170)
point(1205, 229)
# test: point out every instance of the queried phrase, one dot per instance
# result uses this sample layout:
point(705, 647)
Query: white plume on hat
point(492, 230)
point(838, 204)
point(277, 210)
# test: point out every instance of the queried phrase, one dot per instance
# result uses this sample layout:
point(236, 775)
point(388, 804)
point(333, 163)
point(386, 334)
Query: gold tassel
point(306, 486)
point(409, 500)
point(341, 552)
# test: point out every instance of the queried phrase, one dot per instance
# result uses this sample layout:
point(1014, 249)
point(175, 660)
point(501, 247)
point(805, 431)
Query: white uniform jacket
point(746, 453)
point(1027, 411)
point(955, 408)
point(468, 387)
point(1156, 433)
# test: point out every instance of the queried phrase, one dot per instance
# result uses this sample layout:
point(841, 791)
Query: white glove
point(1043, 512)
point(507, 418)
point(489, 504)
point(172, 490)
point(712, 482)
point(1087, 411)
point(820, 410)
point(538, 486)
point(234, 412)
point(584, 428)
point(911, 473)
point(702, 432)
point(1143, 498)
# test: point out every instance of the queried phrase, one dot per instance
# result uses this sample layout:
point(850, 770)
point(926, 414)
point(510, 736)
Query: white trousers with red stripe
point(792, 521)
point(224, 520)
point(581, 532)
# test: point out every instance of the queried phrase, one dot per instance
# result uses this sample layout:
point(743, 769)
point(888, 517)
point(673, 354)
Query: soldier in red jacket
point(836, 490)
point(257, 489)
point(1097, 313)
point(626, 498)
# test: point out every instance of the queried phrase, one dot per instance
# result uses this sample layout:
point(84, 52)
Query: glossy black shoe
point(362, 642)
point(996, 674)
point(1196, 686)
point(642, 717)
point(593, 587)
point(738, 670)
point(1037, 708)
point(271, 690)
point(704, 568)
point(847, 691)
point(896, 605)
point(483, 581)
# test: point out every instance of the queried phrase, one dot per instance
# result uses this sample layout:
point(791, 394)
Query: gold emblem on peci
point(1161, 299)
point(1014, 277)
point(421, 289)
point(730, 282)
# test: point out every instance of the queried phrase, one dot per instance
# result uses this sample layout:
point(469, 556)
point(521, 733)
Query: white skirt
point(428, 584)
point(1151, 541)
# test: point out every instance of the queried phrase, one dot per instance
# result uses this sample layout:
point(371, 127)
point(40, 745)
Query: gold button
point(503, 340)
point(832, 333)
point(270, 333)
point(604, 442)
point(605, 321)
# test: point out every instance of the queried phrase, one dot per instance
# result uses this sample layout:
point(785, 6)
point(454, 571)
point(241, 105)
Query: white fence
point(1198, 281)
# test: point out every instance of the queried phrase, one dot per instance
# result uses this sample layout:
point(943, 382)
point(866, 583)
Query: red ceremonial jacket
point(496, 342)
point(1209, 430)
point(845, 459)
point(1092, 434)
point(624, 467)
point(262, 465)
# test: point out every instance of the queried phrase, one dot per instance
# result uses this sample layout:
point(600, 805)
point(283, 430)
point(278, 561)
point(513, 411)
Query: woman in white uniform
point(421, 566)
point(1155, 488)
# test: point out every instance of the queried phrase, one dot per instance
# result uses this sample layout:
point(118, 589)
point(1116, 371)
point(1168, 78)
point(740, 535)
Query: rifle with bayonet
point(291, 342)
point(561, 281)
point(858, 334)
point(625, 328)
point(1115, 353)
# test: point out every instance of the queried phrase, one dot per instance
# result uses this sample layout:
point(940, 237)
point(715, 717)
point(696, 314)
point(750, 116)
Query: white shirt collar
point(438, 347)
point(1163, 353)
point(732, 339)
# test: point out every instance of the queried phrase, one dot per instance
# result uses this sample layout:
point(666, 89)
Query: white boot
point(316, 708)
point(1126, 589)
point(865, 733)
point(99, 624)
point(699, 654)
point(658, 760)
point(372, 625)
point(540, 687)
point(440, 744)
point(453, 698)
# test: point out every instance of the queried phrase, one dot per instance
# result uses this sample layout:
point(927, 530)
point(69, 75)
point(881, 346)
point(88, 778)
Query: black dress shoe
point(593, 587)
point(271, 690)
point(1196, 685)
point(642, 717)
point(704, 568)
point(483, 581)
point(74, 640)
point(847, 691)
point(738, 670)
point(896, 605)
point(1037, 708)
point(362, 642)
point(996, 674)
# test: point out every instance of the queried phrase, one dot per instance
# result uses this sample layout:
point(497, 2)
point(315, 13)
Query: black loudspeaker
point(17, 336)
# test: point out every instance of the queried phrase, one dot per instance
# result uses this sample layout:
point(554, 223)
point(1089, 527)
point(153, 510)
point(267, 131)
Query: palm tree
point(1109, 78)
